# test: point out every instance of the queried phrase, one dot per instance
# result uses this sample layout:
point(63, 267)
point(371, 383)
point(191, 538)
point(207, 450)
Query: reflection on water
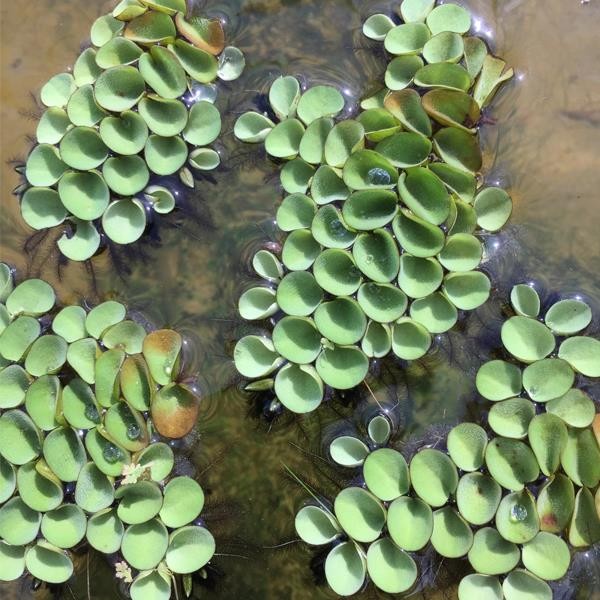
point(189, 273)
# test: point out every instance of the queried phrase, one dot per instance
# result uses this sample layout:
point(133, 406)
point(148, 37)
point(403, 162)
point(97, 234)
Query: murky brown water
point(544, 148)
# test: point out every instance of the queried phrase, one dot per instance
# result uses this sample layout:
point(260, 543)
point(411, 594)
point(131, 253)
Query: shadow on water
point(541, 142)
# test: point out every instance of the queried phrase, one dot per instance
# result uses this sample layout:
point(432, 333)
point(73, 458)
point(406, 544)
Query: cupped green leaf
point(319, 101)
point(493, 207)
point(94, 490)
point(348, 451)
point(377, 26)
point(410, 340)
point(382, 302)
point(401, 71)
point(327, 186)
point(44, 166)
point(583, 354)
point(299, 388)
point(378, 124)
point(163, 72)
point(57, 91)
point(419, 277)
point(20, 440)
point(360, 513)
point(390, 568)
point(144, 545)
point(517, 520)
point(65, 526)
point(584, 528)
point(119, 88)
point(498, 380)
point(53, 125)
point(416, 236)
point(491, 554)
point(316, 526)
point(555, 503)
point(377, 341)
point(161, 199)
point(198, 63)
point(84, 195)
point(255, 356)
point(38, 487)
point(575, 408)
point(48, 563)
point(14, 384)
point(159, 459)
point(105, 531)
point(336, 272)
point(477, 498)
point(377, 256)
point(16, 339)
point(19, 524)
point(342, 367)
point(41, 208)
point(451, 537)
point(406, 106)
point(298, 294)
point(124, 221)
point(283, 141)
point(466, 445)
point(127, 133)
point(548, 379)
point(386, 474)
point(232, 63)
point(297, 339)
point(405, 149)
point(580, 458)
point(312, 146)
point(458, 148)
point(85, 69)
point(64, 453)
point(151, 28)
point(527, 339)
point(434, 477)
point(296, 176)
point(343, 140)
point(479, 587)
point(345, 569)
point(252, 127)
point(567, 317)
point(459, 182)
point(190, 548)
point(329, 229)
point(444, 47)
point(408, 38)
point(547, 556)
point(284, 96)
point(435, 312)
point(79, 406)
point(175, 410)
point(449, 17)
point(297, 211)
point(511, 463)
point(416, 11)
point(108, 456)
point(69, 323)
point(424, 193)
point(12, 561)
point(511, 418)
point(126, 175)
point(493, 74)
point(449, 105)
point(138, 502)
point(522, 585)
point(410, 523)
point(80, 244)
point(165, 155)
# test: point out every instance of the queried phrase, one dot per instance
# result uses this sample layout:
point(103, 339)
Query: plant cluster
point(515, 499)
point(128, 114)
point(384, 215)
point(85, 397)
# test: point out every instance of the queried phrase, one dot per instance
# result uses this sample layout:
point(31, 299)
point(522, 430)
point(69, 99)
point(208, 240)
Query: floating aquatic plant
point(85, 395)
point(125, 116)
point(514, 499)
point(383, 214)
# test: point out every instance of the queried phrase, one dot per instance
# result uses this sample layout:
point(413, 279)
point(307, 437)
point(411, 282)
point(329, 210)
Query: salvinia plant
point(514, 498)
point(137, 108)
point(385, 212)
point(88, 403)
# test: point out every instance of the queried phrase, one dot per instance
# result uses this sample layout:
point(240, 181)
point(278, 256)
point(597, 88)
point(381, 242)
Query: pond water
point(541, 142)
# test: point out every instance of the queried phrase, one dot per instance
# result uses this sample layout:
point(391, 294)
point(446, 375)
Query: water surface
point(542, 142)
